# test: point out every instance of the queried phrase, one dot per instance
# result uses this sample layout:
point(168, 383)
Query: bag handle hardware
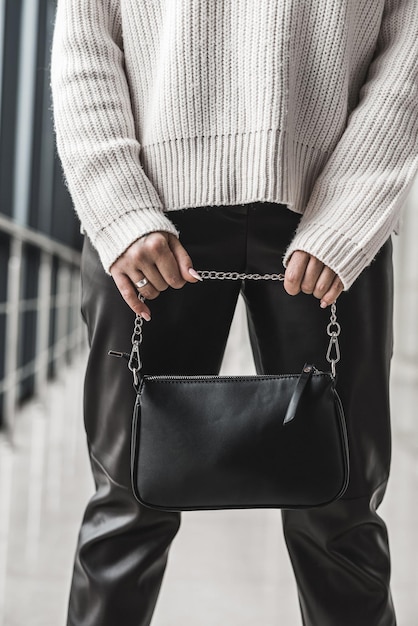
point(134, 359)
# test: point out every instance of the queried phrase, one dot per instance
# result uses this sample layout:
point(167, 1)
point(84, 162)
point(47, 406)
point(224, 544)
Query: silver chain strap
point(238, 276)
point(333, 328)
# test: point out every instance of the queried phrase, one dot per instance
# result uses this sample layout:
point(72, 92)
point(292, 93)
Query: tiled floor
point(225, 568)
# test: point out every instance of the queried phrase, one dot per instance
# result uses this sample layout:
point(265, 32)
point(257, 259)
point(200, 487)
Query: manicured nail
point(323, 305)
point(146, 316)
point(193, 273)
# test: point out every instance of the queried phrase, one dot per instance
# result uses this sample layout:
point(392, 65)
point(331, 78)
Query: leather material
point(222, 442)
point(339, 552)
point(300, 387)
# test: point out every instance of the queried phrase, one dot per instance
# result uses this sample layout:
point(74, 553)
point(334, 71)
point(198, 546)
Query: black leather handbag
point(230, 442)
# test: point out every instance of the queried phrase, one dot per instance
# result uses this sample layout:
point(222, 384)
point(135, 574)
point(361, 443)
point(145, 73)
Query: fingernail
point(146, 316)
point(193, 273)
point(323, 305)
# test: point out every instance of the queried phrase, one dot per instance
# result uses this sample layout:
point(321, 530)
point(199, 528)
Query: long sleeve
point(356, 200)
point(114, 199)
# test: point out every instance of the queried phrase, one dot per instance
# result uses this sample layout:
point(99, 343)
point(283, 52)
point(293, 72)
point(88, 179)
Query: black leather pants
point(339, 553)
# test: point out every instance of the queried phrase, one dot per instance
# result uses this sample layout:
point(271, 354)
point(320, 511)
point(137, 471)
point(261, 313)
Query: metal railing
point(58, 329)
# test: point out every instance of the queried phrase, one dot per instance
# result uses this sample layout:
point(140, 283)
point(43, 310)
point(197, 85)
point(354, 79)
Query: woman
point(236, 137)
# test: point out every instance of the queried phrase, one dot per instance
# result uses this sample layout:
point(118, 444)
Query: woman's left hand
point(306, 273)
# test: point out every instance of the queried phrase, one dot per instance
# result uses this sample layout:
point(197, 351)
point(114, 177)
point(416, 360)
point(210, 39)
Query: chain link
point(137, 333)
point(212, 275)
point(333, 329)
point(134, 363)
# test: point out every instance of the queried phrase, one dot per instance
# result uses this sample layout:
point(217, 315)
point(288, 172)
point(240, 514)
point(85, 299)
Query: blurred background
point(39, 234)
point(225, 567)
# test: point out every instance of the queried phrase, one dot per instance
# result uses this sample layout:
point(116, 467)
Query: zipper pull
point(303, 379)
point(119, 355)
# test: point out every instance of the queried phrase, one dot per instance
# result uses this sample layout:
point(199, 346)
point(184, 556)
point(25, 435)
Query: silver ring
point(142, 283)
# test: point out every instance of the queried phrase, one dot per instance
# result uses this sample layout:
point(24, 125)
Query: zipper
point(236, 378)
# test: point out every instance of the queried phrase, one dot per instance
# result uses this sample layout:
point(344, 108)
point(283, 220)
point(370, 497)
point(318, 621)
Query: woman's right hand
point(161, 259)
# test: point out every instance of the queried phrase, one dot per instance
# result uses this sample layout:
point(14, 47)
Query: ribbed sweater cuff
point(333, 248)
point(114, 239)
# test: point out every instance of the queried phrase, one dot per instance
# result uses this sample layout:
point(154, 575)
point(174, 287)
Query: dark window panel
point(43, 140)
point(4, 258)
point(27, 339)
point(9, 103)
point(53, 318)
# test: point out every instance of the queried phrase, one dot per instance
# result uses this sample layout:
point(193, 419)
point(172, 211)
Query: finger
point(332, 294)
point(324, 282)
point(148, 291)
point(130, 295)
point(138, 279)
point(184, 262)
point(151, 273)
point(295, 271)
point(165, 264)
point(312, 273)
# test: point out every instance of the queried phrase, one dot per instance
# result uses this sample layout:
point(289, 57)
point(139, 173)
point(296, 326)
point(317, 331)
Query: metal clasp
point(333, 331)
point(135, 363)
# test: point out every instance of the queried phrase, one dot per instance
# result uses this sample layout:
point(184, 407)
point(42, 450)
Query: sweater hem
point(222, 170)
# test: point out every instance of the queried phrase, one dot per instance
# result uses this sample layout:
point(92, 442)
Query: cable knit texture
point(171, 104)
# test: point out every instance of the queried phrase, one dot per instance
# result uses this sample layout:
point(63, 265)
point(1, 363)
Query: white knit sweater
point(170, 104)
